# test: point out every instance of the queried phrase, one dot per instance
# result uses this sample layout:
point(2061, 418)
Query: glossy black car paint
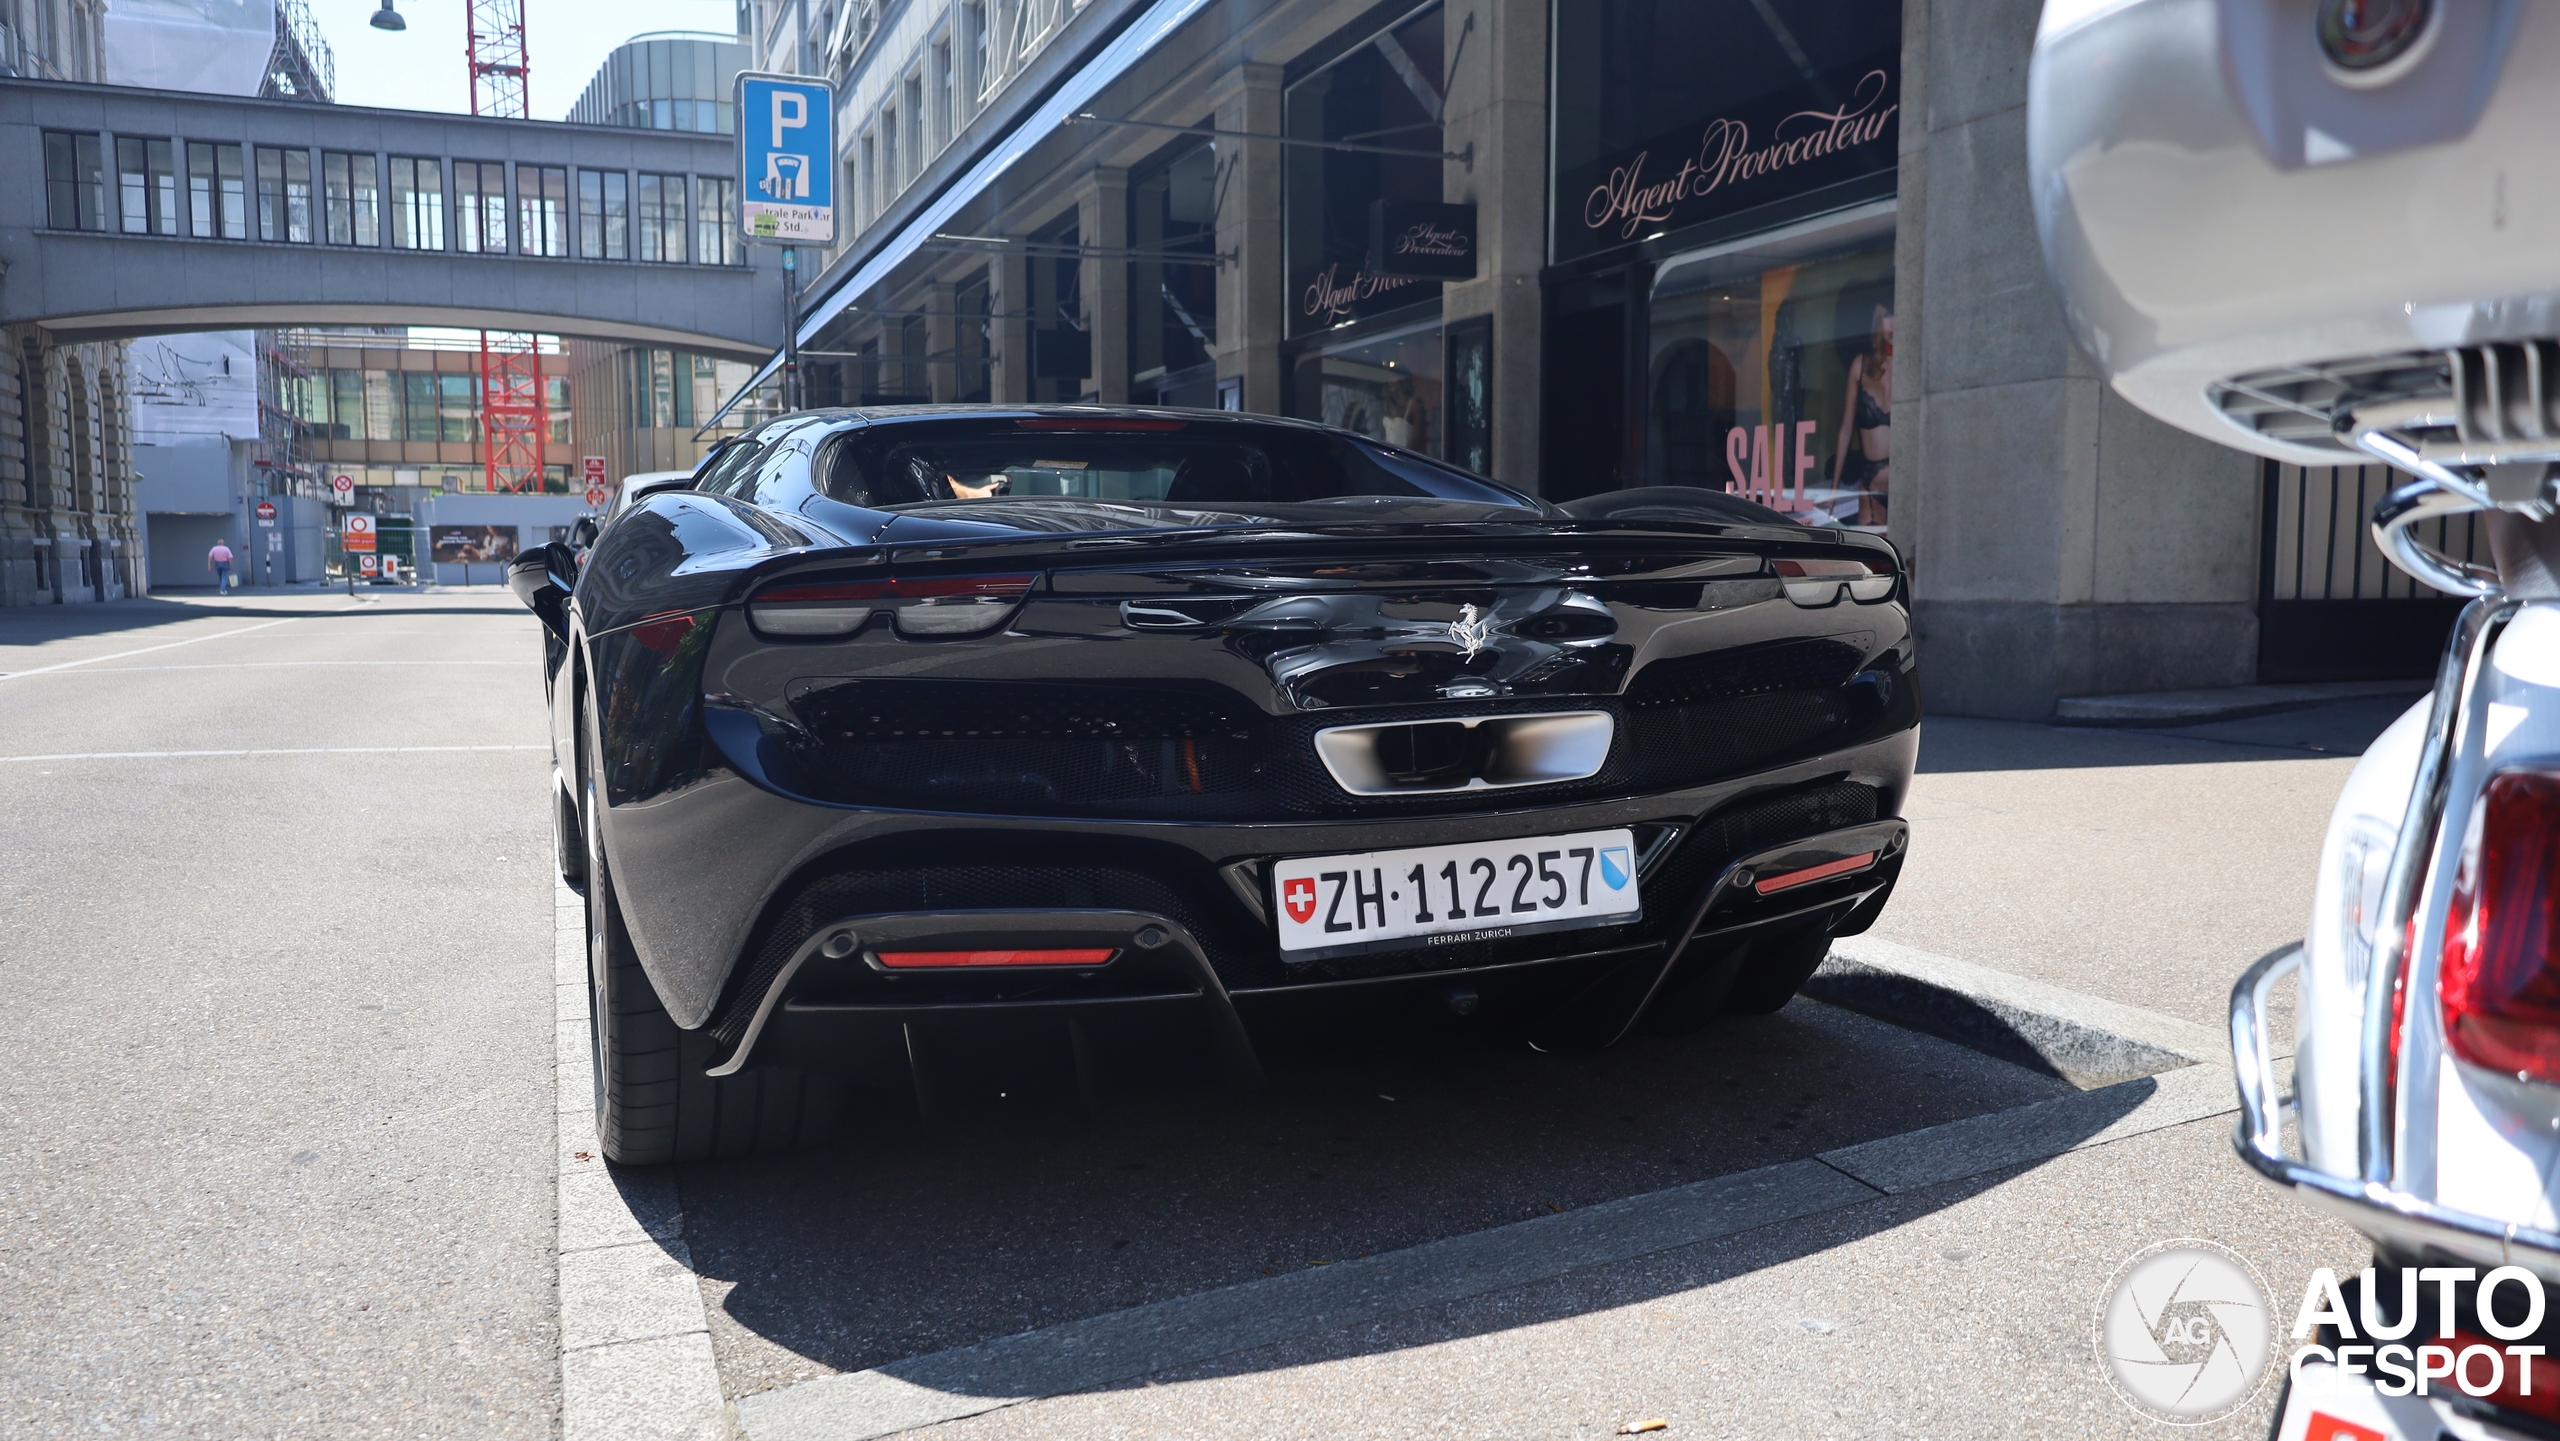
point(725, 810)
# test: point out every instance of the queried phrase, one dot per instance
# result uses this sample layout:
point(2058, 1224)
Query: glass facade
point(666, 82)
point(1720, 302)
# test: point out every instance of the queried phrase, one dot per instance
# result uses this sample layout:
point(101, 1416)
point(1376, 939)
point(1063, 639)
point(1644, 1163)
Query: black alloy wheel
point(654, 1101)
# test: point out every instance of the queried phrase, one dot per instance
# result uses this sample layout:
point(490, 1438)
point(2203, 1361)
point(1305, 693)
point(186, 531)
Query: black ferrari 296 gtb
point(919, 730)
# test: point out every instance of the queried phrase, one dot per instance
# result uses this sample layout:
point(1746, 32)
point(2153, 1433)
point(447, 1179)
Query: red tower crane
point(514, 409)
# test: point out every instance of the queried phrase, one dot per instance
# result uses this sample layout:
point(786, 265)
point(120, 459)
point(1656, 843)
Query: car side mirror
point(541, 577)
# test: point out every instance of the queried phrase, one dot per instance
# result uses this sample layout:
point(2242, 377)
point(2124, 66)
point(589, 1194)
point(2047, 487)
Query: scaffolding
point(301, 66)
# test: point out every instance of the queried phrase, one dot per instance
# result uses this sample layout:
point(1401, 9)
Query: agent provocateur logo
point(1333, 299)
point(1426, 239)
point(1726, 156)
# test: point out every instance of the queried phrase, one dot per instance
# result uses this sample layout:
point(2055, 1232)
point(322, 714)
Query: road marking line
point(148, 649)
point(636, 1362)
point(302, 751)
point(288, 665)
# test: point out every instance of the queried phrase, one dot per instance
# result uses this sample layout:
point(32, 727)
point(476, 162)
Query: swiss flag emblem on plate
point(1299, 895)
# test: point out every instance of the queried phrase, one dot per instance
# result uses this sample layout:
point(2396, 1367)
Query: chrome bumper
point(2396, 1219)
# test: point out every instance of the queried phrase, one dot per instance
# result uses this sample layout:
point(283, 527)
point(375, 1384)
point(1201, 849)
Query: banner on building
point(458, 544)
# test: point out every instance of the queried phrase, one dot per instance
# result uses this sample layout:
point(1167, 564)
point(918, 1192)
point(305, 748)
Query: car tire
point(655, 1102)
point(1776, 969)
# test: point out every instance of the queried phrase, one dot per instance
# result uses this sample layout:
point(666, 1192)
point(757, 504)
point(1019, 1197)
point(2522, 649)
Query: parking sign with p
point(786, 150)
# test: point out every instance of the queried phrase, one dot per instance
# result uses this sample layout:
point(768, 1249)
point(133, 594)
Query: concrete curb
point(2168, 1074)
point(2188, 707)
point(2087, 1041)
point(635, 1343)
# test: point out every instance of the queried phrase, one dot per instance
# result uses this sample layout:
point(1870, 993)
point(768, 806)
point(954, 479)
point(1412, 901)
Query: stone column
point(1009, 342)
point(1250, 290)
point(941, 340)
point(1102, 219)
point(17, 515)
point(1498, 101)
point(2063, 543)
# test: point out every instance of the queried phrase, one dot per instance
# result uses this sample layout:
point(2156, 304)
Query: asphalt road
point(275, 1154)
point(277, 1160)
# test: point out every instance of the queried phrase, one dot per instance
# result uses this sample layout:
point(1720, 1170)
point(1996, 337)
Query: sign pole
point(786, 187)
point(791, 328)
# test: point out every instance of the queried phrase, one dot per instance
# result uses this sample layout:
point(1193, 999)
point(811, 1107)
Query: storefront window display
point(1720, 311)
point(1771, 371)
point(1386, 387)
point(1384, 90)
point(1173, 308)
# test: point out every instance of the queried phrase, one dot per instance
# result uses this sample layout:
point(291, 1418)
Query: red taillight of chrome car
point(923, 605)
point(1817, 583)
point(2500, 977)
point(958, 960)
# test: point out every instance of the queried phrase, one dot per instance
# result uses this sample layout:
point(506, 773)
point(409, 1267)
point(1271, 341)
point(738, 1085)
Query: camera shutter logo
point(2183, 1331)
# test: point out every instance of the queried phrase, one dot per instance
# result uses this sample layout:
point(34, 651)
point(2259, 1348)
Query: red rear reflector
point(1770, 885)
point(2497, 980)
point(920, 960)
point(1096, 422)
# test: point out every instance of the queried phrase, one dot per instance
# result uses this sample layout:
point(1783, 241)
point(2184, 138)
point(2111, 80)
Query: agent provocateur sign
point(1835, 128)
point(1333, 295)
point(1422, 240)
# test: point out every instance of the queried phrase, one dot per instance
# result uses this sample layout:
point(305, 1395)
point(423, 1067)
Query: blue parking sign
point(786, 159)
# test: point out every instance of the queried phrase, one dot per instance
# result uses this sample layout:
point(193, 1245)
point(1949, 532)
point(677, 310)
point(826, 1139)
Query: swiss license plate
point(1441, 895)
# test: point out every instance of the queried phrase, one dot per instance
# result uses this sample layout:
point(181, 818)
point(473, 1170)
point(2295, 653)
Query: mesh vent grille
point(1166, 753)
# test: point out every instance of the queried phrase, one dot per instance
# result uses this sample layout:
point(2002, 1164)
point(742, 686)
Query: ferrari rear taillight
point(923, 605)
point(958, 960)
point(2499, 977)
point(1817, 583)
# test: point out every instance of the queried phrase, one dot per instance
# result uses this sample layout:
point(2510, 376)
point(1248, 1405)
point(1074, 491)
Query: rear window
point(903, 467)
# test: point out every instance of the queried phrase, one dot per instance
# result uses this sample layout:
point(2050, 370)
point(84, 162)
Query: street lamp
point(387, 18)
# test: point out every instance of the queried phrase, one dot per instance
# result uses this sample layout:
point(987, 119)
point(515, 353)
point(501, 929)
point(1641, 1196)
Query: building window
point(891, 176)
point(417, 404)
point(417, 203)
point(865, 197)
point(911, 97)
point(457, 408)
point(347, 407)
point(1173, 308)
point(75, 183)
point(147, 185)
point(715, 239)
point(542, 210)
point(217, 198)
point(480, 207)
point(942, 110)
point(973, 39)
point(604, 215)
point(351, 188)
point(662, 218)
point(284, 195)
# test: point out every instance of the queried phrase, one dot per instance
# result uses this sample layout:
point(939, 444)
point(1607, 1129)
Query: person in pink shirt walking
point(218, 560)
